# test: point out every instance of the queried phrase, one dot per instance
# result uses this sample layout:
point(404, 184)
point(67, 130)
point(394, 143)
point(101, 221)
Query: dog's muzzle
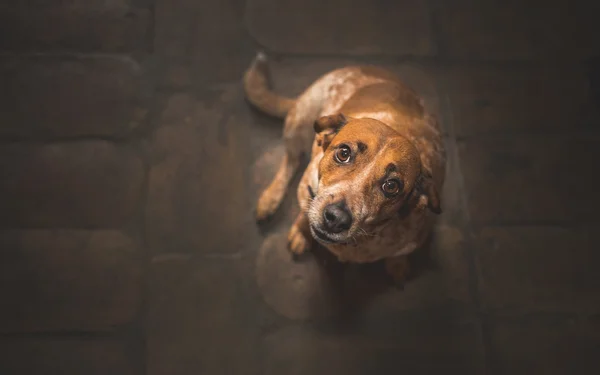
point(337, 218)
point(335, 221)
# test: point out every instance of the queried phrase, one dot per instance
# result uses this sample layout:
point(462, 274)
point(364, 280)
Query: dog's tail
point(258, 92)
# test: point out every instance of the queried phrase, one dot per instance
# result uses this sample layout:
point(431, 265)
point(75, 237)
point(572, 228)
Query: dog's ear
point(327, 127)
point(428, 194)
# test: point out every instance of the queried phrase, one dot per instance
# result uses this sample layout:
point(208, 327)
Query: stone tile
point(524, 269)
point(198, 196)
point(75, 25)
point(68, 280)
point(546, 346)
point(54, 356)
point(335, 27)
point(88, 184)
point(530, 179)
point(484, 31)
point(294, 289)
point(201, 33)
point(494, 100)
point(199, 320)
point(48, 96)
point(555, 28)
point(178, 76)
point(300, 350)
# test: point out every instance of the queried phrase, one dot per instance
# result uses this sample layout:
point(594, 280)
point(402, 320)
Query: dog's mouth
point(324, 237)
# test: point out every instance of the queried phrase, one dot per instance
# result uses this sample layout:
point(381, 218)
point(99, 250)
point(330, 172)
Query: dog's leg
point(297, 135)
point(299, 237)
point(398, 268)
point(272, 196)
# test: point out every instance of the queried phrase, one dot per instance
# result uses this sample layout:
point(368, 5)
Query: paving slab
point(555, 28)
point(198, 199)
point(301, 350)
point(208, 37)
point(538, 269)
point(338, 27)
point(68, 356)
point(69, 280)
point(199, 320)
point(95, 26)
point(469, 30)
point(47, 97)
point(87, 184)
point(530, 179)
point(546, 345)
point(496, 100)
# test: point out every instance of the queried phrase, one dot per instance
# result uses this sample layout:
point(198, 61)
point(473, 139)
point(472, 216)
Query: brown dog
point(377, 164)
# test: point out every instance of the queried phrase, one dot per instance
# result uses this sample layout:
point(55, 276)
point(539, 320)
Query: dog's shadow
point(355, 286)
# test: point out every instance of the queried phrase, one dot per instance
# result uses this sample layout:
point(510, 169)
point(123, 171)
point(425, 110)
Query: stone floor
point(130, 167)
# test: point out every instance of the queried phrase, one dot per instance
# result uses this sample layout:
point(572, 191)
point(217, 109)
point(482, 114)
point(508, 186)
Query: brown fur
point(390, 136)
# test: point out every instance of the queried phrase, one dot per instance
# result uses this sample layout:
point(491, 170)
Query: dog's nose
point(337, 217)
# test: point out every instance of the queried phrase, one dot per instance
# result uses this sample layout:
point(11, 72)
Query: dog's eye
point(342, 154)
point(391, 187)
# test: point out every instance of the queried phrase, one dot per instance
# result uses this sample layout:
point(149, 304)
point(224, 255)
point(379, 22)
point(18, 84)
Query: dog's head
point(368, 175)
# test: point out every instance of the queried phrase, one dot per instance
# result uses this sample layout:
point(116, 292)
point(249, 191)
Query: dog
point(371, 190)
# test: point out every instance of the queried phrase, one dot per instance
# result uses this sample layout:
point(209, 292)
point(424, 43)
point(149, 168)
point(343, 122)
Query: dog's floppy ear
point(327, 127)
point(428, 194)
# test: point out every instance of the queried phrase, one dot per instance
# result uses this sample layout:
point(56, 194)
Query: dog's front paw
point(298, 244)
point(399, 269)
point(266, 207)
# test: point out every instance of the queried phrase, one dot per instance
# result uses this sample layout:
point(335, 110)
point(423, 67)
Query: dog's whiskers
point(365, 233)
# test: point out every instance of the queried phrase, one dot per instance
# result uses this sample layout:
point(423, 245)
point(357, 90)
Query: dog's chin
point(326, 238)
